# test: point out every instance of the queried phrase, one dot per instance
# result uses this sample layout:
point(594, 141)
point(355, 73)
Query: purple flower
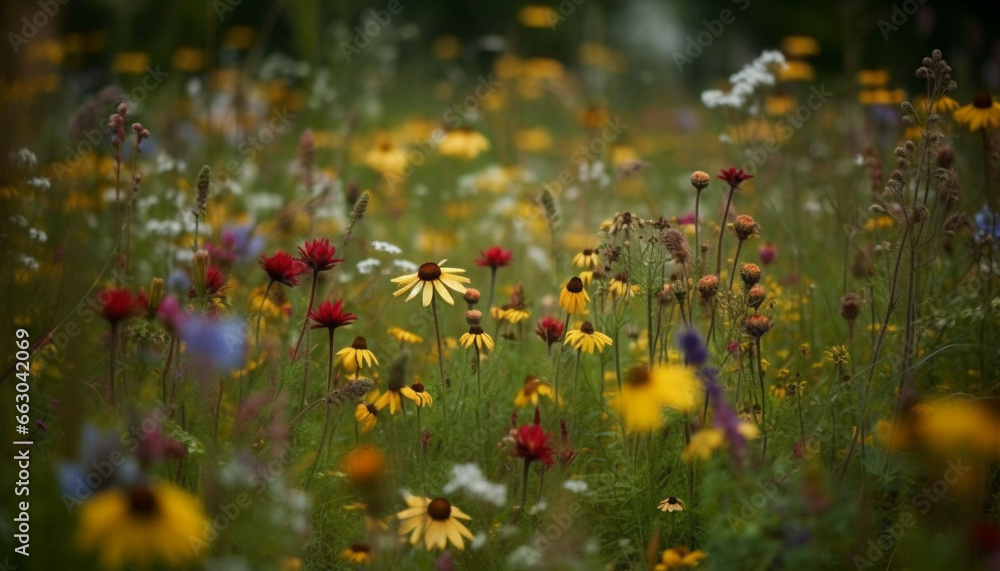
point(989, 224)
point(219, 343)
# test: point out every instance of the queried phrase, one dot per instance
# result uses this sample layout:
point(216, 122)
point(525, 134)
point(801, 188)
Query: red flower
point(282, 268)
point(734, 177)
point(549, 329)
point(215, 282)
point(531, 443)
point(319, 255)
point(331, 315)
point(116, 304)
point(495, 257)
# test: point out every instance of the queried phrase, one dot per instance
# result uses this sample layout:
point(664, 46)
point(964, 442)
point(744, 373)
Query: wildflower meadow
point(295, 285)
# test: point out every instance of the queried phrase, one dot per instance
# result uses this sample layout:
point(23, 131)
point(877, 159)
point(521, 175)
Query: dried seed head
point(745, 226)
point(920, 213)
point(473, 316)
point(201, 195)
point(471, 296)
point(700, 180)
point(708, 286)
point(750, 274)
point(756, 296)
point(675, 243)
point(946, 157)
point(757, 325)
point(850, 306)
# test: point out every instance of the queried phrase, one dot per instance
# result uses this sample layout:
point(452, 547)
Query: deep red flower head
point(549, 329)
point(734, 177)
point(282, 268)
point(116, 304)
point(331, 315)
point(531, 443)
point(495, 257)
point(215, 282)
point(319, 255)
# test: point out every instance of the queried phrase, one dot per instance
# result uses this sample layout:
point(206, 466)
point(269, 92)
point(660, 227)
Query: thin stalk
point(699, 263)
point(260, 313)
point(736, 260)
point(763, 404)
point(112, 359)
point(305, 318)
point(524, 485)
point(163, 375)
point(722, 232)
point(440, 348)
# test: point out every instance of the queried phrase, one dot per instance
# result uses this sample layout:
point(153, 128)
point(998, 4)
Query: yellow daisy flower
point(357, 356)
point(463, 143)
point(671, 504)
point(358, 554)
point(420, 395)
point(944, 104)
point(476, 336)
point(433, 521)
point(620, 288)
point(142, 526)
point(678, 557)
point(366, 414)
point(586, 259)
point(982, 113)
point(386, 158)
point(586, 339)
point(646, 392)
point(404, 336)
point(573, 298)
point(431, 277)
point(532, 389)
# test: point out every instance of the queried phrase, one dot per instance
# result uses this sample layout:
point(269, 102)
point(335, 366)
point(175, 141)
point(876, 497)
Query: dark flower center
point(372, 410)
point(417, 387)
point(638, 376)
point(359, 343)
point(439, 509)
point(587, 328)
point(360, 548)
point(622, 277)
point(142, 502)
point(476, 330)
point(574, 285)
point(588, 252)
point(671, 500)
point(982, 100)
point(429, 272)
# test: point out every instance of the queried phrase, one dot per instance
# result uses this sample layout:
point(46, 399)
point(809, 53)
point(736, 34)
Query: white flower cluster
point(40, 182)
point(745, 81)
point(368, 265)
point(24, 158)
point(470, 478)
point(386, 247)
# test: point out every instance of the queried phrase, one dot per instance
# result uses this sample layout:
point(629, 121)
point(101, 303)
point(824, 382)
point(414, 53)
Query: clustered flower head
point(745, 82)
point(319, 255)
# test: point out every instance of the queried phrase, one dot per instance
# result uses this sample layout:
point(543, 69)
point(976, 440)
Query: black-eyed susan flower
point(366, 414)
point(404, 336)
point(143, 526)
point(357, 356)
point(434, 522)
point(944, 104)
point(430, 278)
point(573, 298)
point(476, 336)
point(510, 313)
point(646, 392)
point(419, 394)
point(463, 143)
point(358, 554)
point(620, 288)
point(671, 504)
point(386, 159)
point(587, 259)
point(587, 339)
point(678, 557)
point(709, 439)
point(532, 389)
point(982, 113)
point(394, 394)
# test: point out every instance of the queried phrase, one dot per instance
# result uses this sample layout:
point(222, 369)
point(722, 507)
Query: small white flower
point(470, 478)
point(37, 234)
point(539, 507)
point(386, 247)
point(40, 182)
point(24, 158)
point(27, 261)
point(524, 557)
point(478, 542)
point(577, 486)
point(368, 266)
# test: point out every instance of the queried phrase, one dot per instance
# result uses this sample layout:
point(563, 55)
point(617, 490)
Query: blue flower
point(100, 464)
point(988, 223)
point(220, 343)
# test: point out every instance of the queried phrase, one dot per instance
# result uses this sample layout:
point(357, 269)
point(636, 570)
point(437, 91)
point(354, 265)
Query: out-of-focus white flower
point(368, 266)
point(40, 182)
point(386, 247)
point(406, 265)
point(524, 557)
point(541, 506)
point(470, 478)
point(577, 486)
